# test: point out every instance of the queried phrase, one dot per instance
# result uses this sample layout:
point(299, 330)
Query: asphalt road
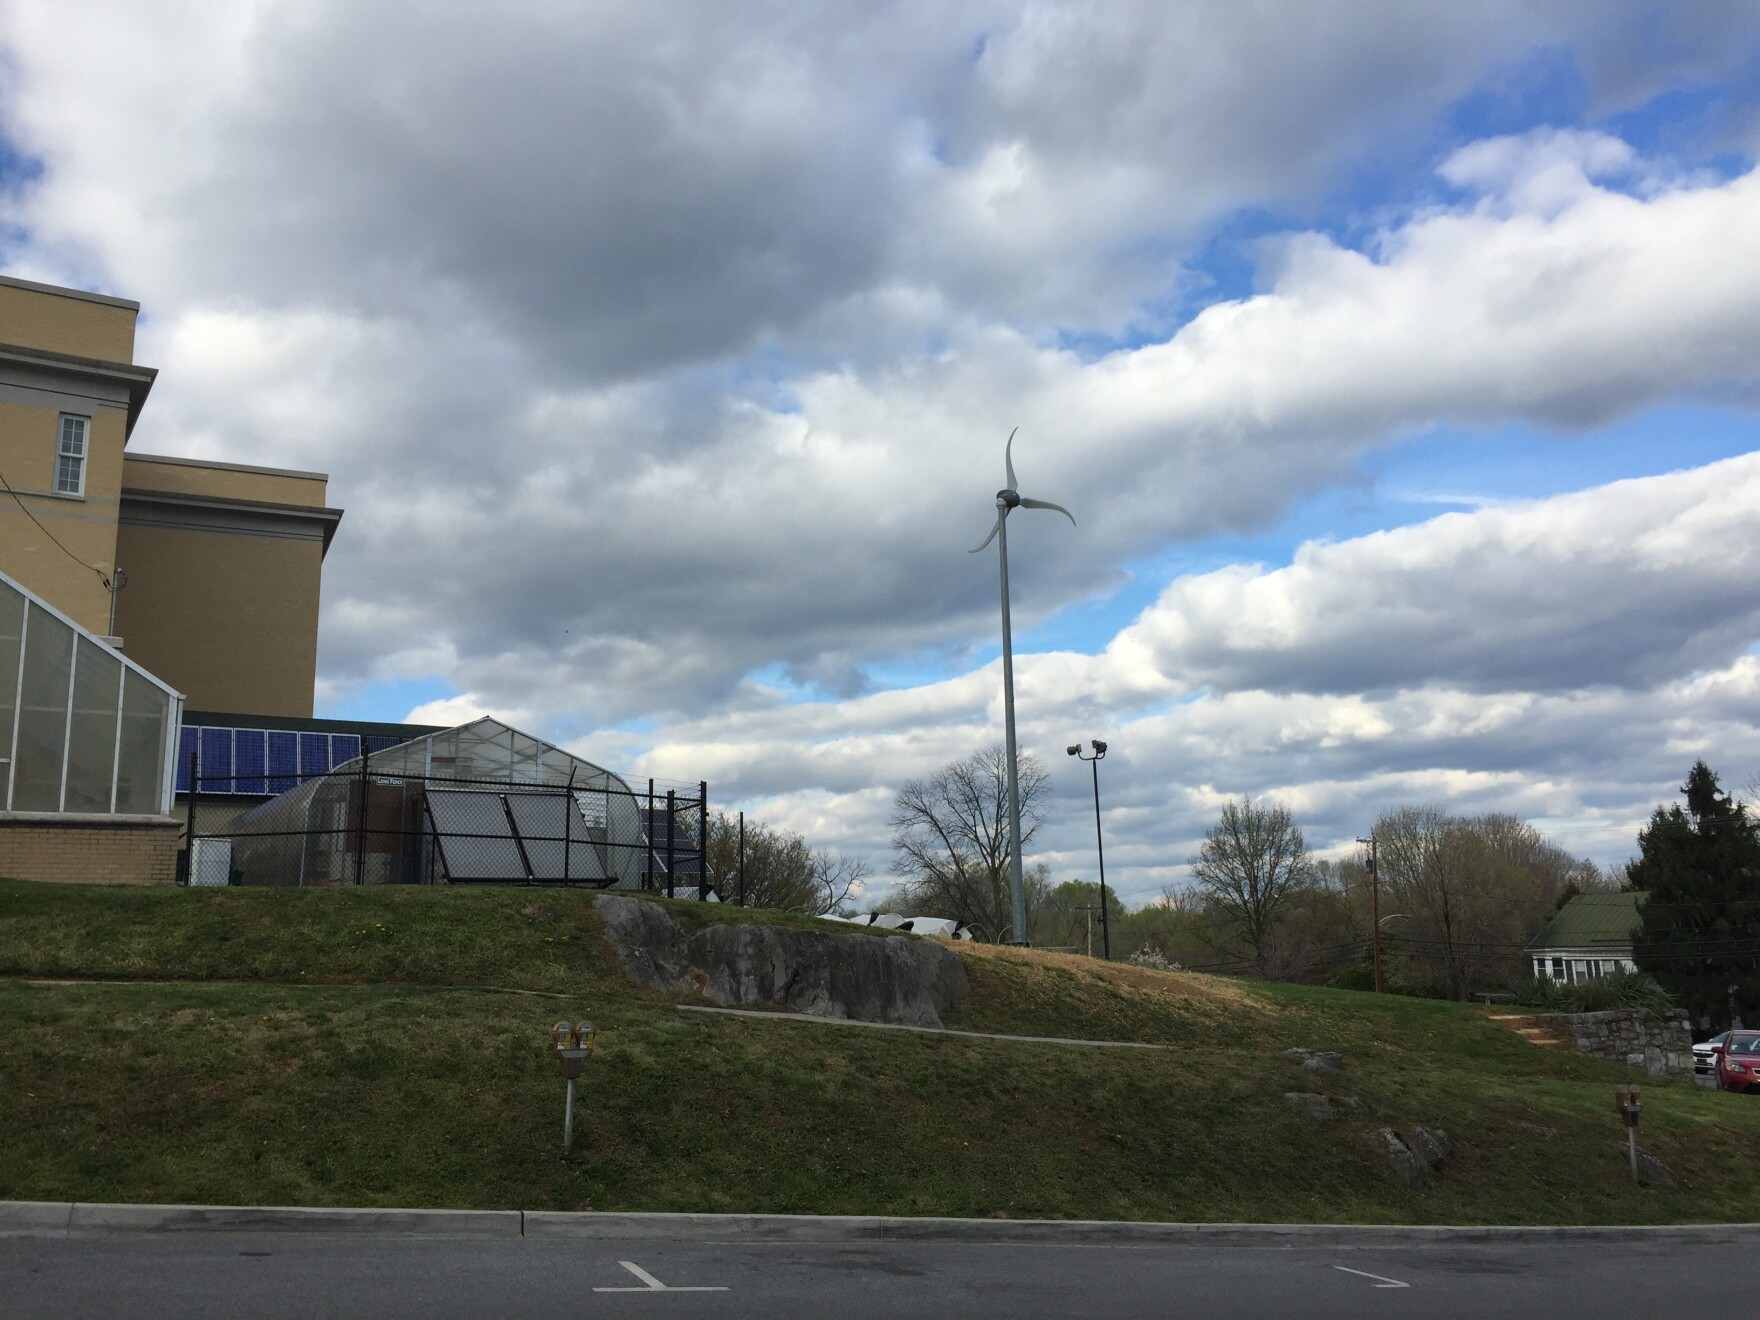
point(322, 1276)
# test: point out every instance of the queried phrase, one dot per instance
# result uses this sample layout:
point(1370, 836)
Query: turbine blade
point(1047, 504)
point(1008, 461)
point(993, 530)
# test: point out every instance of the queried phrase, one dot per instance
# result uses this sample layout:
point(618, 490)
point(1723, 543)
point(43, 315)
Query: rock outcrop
point(1316, 1061)
point(1414, 1158)
point(869, 978)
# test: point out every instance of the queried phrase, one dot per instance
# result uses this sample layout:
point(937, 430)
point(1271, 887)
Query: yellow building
point(206, 574)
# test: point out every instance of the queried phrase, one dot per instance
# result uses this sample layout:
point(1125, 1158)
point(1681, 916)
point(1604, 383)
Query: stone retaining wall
point(1661, 1045)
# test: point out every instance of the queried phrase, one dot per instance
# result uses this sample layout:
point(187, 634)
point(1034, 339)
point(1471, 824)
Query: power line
point(51, 535)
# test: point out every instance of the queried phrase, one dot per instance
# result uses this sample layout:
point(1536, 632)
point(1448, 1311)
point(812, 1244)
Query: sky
point(1399, 363)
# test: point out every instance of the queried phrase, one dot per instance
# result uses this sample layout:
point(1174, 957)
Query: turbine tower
point(1008, 499)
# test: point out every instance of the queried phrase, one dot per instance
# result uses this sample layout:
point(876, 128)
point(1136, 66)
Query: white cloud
point(650, 348)
point(1623, 585)
point(1564, 745)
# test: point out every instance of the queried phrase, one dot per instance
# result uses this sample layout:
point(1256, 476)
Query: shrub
point(1619, 989)
point(1150, 956)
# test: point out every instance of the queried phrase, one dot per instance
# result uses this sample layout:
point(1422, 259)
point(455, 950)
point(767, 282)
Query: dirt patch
point(1186, 986)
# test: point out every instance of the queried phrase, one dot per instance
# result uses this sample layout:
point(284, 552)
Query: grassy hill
point(388, 1047)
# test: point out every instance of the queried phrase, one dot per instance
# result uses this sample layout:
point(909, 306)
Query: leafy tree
point(1471, 891)
point(1251, 863)
point(1070, 912)
point(1699, 925)
point(781, 871)
point(950, 834)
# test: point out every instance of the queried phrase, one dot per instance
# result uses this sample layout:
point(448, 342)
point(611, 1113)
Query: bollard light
point(1629, 1101)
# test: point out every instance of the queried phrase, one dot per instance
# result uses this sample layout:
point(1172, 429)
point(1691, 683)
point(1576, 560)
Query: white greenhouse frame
point(78, 715)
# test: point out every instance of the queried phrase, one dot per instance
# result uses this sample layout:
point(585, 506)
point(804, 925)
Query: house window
point(1558, 969)
point(70, 456)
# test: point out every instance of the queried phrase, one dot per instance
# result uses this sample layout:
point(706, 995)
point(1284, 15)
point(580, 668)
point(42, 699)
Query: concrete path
point(932, 1031)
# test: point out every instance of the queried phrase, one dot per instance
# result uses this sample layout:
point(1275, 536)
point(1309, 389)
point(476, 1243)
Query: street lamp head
point(1099, 748)
point(1076, 750)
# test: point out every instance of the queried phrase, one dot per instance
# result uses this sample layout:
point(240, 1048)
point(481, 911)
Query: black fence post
point(742, 859)
point(671, 833)
point(568, 823)
point(360, 838)
point(702, 841)
point(648, 833)
point(189, 832)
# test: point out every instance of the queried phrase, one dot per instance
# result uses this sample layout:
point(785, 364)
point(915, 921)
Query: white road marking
point(651, 1284)
point(1385, 1282)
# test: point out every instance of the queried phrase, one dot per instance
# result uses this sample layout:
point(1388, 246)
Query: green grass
point(328, 1048)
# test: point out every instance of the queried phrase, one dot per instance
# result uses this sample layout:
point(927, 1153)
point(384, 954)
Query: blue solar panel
point(186, 745)
point(216, 763)
point(259, 761)
point(283, 761)
point(247, 755)
point(314, 753)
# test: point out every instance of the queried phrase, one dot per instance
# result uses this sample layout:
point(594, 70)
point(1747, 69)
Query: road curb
point(62, 1217)
point(82, 1216)
point(837, 1228)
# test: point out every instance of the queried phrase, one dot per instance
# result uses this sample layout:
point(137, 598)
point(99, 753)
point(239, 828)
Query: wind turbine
point(1008, 499)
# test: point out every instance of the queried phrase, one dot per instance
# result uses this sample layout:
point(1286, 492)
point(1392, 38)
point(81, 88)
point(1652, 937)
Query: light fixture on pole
point(1007, 500)
point(1099, 847)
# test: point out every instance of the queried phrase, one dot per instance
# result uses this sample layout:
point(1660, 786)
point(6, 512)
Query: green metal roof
point(1591, 919)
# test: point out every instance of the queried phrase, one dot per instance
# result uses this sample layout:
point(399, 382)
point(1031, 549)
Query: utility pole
point(1088, 910)
point(1374, 905)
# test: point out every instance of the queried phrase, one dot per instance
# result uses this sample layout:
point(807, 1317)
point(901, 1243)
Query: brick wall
point(90, 850)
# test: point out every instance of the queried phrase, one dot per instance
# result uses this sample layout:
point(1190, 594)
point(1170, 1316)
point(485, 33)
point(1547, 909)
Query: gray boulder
point(1413, 1158)
point(1386, 1143)
point(1317, 1107)
point(650, 945)
point(864, 977)
point(1316, 1061)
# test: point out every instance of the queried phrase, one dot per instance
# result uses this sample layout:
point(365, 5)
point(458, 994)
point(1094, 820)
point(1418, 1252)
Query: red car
point(1738, 1063)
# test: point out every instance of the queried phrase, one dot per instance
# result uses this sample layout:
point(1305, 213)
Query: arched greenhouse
point(482, 804)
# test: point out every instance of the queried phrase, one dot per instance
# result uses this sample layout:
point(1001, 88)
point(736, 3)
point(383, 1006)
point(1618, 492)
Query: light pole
point(1374, 904)
point(1007, 500)
point(1099, 847)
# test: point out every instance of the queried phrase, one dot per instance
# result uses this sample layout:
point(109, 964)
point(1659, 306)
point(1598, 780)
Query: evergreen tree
point(1699, 925)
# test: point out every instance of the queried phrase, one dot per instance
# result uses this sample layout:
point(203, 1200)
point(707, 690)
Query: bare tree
point(1251, 862)
point(950, 833)
point(1475, 888)
point(837, 879)
point(781, 870)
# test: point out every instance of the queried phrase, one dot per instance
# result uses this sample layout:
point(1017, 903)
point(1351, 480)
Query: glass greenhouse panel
point(91, 728)
point(11, 642)
point(42, 714)
point(82, 728)
point(140, 763)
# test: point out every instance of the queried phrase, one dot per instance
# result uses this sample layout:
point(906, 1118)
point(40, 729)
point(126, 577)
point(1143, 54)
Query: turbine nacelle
point(1008, 498)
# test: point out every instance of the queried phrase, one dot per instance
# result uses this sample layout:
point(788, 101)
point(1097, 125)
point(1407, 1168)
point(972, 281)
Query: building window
point(1558, 969)
point(70, 456)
